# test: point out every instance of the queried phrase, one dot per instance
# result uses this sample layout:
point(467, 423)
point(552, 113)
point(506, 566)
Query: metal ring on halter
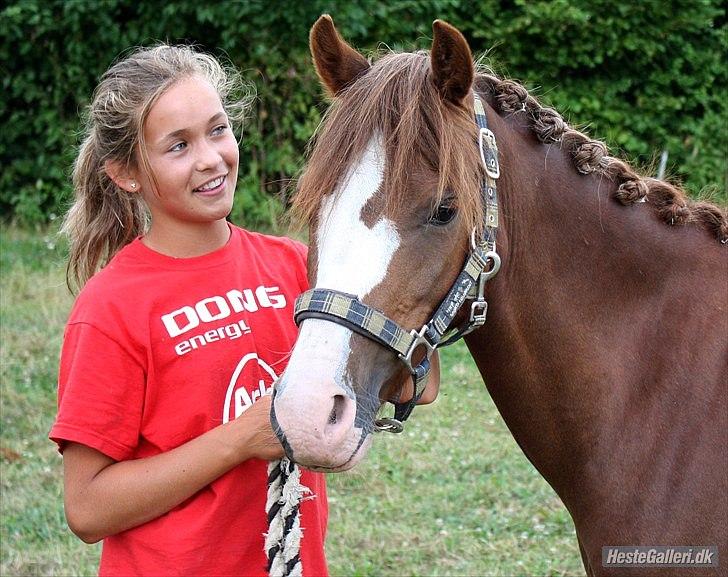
point(492, 256)
point(388, 425)
point(419, 338)
point(473, 244)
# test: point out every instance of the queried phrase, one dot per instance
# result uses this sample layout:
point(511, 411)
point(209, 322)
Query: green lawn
point(452, 495)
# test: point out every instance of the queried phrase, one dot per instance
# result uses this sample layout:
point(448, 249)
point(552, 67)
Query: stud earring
point(133, 185)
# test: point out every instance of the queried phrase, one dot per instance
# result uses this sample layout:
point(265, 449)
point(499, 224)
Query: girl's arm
point(103, 497)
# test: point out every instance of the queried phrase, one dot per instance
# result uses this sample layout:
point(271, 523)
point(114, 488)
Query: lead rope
point(283, 539)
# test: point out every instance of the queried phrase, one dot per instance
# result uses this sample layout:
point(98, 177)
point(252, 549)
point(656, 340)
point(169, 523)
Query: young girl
point(163, 419)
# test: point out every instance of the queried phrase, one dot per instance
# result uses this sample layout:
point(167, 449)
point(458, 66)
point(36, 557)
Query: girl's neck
point(187, 242)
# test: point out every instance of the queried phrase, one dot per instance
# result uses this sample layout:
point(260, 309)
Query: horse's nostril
point(336, 409)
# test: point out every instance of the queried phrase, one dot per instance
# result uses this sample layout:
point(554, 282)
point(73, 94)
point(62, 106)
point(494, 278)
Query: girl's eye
point(443, 214)
point(178, 147)
point(219, 129)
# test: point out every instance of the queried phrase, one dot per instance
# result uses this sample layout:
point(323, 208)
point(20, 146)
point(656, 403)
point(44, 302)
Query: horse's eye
point(443, 214)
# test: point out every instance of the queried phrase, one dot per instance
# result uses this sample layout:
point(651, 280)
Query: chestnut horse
point(605, 346)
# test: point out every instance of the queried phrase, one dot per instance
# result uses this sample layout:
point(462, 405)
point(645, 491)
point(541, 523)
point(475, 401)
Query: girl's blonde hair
point(104, 217)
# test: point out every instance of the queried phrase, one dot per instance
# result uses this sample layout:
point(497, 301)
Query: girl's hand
point(263, 442)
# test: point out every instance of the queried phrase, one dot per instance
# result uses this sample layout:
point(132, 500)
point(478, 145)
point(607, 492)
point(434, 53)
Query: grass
point(453, 495)
point(34, 303)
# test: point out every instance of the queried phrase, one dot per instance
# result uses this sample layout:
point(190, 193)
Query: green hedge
point(645, 76)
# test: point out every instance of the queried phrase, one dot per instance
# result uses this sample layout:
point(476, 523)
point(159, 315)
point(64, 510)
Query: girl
point(163, 420)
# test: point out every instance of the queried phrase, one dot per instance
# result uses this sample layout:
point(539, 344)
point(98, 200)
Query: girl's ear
point(121, 175)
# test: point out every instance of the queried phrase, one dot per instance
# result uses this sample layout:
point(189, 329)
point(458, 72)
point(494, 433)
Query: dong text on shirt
point(216, 308)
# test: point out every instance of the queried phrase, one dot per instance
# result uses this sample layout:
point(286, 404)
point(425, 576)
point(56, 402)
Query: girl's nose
point(207, 157)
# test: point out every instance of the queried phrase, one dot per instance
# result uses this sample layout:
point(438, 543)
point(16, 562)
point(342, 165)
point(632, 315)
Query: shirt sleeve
point(101, 390)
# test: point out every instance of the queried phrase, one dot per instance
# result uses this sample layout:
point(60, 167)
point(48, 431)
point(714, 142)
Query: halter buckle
point(486, 142)
point(478, 310)
point(419, 338)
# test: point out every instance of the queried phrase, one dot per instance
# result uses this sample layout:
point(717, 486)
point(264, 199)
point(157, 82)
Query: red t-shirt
point(159, 350)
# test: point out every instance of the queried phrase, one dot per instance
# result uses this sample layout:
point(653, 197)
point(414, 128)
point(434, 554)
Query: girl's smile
point(211, 187)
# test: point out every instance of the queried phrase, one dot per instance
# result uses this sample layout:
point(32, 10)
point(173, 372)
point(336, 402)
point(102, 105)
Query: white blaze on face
point(352, 258)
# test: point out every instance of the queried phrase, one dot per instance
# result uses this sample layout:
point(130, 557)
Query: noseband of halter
point(481, 265)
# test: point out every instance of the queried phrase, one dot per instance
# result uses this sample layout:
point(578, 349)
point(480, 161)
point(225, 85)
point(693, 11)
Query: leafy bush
point(644, 76)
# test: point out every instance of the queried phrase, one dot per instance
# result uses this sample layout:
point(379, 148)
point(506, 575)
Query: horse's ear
point(451, 61)
point(337, 63)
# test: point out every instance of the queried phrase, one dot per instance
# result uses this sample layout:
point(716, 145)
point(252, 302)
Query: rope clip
point(388, 425)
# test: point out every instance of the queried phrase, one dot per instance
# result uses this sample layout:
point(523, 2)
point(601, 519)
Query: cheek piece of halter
point(481, 265)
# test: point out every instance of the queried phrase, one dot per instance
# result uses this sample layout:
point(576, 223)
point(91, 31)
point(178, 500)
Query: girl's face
point(193, 156)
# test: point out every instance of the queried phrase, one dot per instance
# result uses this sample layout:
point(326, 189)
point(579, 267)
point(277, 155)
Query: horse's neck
point(577, 313)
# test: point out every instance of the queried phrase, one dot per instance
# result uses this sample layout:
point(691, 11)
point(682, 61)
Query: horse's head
point(391, 194)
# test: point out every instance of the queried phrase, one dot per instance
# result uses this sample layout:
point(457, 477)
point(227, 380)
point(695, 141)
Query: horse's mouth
point(340, 465)
point(354, 459)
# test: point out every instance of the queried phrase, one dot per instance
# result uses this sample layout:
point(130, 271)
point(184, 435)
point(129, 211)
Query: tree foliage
point(644, 76)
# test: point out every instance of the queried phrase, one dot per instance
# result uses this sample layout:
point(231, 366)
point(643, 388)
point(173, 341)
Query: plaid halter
point(481, 265)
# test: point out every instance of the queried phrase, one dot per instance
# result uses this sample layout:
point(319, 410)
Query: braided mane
point(591, 156)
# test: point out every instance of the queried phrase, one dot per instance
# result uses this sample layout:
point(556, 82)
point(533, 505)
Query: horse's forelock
point(397, 99)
